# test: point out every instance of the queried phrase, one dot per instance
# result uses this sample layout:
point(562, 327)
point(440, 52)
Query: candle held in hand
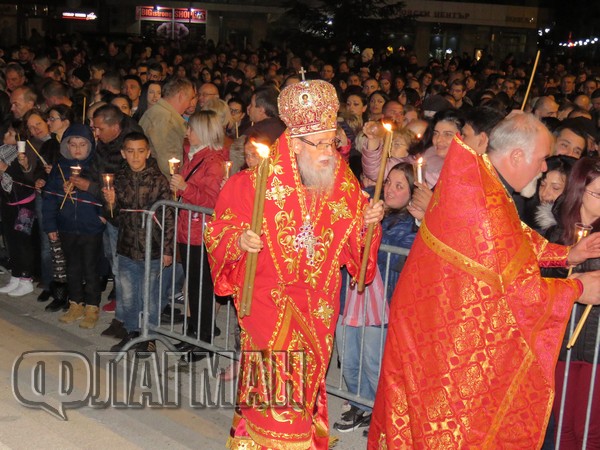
point(262, 174)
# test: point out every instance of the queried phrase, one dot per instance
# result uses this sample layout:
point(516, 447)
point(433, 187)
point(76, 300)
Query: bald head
point(545, 107)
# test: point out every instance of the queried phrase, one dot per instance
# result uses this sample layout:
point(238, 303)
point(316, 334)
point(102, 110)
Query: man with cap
point(314, 222)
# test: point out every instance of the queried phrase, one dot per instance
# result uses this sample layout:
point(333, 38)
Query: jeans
point(82, 252)
point(349, 346)
point(111, 234)
point(167, 287)
point(46, 257)
point(131, 274)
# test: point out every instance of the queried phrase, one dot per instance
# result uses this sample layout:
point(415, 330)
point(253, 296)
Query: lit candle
point(420, 170)
point(387, 148)
point(108, 179)
point(227, 169)
point(581, 231)
point(174, 164)
point(75, 170)
point(262, 173)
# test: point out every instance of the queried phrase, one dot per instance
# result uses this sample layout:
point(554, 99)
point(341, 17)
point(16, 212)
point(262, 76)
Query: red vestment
point(295, 303)
point(474, 329)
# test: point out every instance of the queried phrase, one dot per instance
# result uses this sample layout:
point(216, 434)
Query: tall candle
point(227, 169)
point(262, 173)
point(387, 148)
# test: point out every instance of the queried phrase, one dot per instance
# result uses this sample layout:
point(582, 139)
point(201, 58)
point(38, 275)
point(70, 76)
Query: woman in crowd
point(539, 208)
point(18, 213)
point(376, 101)
point(402, 140)
point(446, 124)
point(362, 327)
point(241, 121)
point(151, 93)
point(581, 204)
point(198, 183)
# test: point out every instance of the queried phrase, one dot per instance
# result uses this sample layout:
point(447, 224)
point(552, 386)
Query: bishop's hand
point(250, 242)
point(586, 248)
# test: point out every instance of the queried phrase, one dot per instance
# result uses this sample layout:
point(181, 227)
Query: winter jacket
point(139, 191)
point(75, 216)
point(108, 158)
point(203, 187)
point(586, 343)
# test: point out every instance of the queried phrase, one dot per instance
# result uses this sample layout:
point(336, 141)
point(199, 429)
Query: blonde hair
point(208, 128)
point(221, 108)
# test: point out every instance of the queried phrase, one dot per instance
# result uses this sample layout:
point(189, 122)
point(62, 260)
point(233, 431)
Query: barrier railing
point(371, 338)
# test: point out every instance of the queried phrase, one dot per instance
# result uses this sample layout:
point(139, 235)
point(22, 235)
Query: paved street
point(26, 327)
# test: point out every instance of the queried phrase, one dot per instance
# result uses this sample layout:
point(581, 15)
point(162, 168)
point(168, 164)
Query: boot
point(10, 286)
point(116, 329)
point(75, 312)
point(59, 292)
point(91, 317)
point(131, 335)
point(25, 287)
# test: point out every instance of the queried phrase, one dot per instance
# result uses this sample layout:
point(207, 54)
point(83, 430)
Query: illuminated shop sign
point(161, 14)
point(79, 16)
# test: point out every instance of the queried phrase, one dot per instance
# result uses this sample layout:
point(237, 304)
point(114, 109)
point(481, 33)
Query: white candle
point(420, 170)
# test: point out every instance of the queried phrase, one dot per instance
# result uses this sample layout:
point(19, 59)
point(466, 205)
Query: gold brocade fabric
point(474, 329)
point(287, 339)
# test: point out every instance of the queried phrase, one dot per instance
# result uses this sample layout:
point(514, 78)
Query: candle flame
point(262, 150)
point(388, 127)
point(420, 160)
point(228, 164)
point(174, 161)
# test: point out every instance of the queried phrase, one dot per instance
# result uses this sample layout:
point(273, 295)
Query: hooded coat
point(77, 216)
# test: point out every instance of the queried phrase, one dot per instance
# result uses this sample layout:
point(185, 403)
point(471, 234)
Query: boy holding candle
point(76, 219)
point(136, 188)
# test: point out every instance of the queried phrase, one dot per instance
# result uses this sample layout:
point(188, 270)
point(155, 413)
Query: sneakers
point(115, 329)
point(110, 306)
point(76, 311)
point(90, 318)
point(59, 291)
point(352, 419)
point(10, 286)
point(24, 287)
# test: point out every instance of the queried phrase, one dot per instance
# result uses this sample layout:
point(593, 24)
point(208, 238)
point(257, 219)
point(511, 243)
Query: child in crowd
point(77, 221)
point(136, 188)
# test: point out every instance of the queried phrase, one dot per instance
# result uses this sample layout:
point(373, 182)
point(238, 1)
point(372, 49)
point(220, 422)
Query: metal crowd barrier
point(167, 331)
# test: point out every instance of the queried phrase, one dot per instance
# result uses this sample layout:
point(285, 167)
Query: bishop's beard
point(320, 177)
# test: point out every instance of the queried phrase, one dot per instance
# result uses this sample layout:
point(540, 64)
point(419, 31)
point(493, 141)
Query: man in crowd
point(474, 328)
point(545, 107)
point(315, 217)
point(22, 99)
point(571, 140)
point(163, 124)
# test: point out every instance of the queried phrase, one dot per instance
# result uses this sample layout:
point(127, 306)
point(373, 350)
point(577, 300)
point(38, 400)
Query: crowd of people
point(72, 115)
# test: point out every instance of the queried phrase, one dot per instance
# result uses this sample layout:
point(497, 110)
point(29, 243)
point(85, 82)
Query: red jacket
point(202, 189)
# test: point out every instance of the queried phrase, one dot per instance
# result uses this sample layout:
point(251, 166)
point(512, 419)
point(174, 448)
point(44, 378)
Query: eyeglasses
point(52, 119)
point(322, 146)
point(593, 194)
point(235, 111)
